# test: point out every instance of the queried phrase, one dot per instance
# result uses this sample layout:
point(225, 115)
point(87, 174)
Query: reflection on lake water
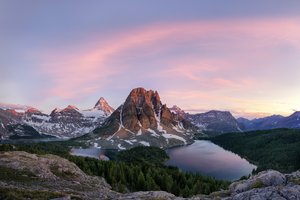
point(202, 156)
point(209, 159)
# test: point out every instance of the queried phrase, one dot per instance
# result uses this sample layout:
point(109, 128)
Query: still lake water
point(202, 156)
point(209, 159)
point(91, 152)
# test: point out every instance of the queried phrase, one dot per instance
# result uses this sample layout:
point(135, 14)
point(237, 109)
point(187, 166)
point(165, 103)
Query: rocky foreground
point(27, 176)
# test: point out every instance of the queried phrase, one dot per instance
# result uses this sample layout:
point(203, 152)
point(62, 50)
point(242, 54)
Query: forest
point(277, 149)
point(137, 169)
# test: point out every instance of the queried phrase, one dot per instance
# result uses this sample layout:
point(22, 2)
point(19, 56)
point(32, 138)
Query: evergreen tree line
point(127, 177)
point(277, 149)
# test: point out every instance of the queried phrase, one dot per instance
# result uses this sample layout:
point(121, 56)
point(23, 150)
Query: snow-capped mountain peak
point(104, 106)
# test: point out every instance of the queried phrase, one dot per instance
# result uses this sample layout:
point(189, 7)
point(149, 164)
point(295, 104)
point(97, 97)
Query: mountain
point(68, 122)
point(215, 121)
point(292, 121)
point(212, 122)
point(259, 124)
point(142, 120)
point(271, 122)
point(16, 107)
point(103, 106)
point(12, 127)
point(178, 111)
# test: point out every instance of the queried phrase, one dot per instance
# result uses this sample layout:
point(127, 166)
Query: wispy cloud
point(210, 59)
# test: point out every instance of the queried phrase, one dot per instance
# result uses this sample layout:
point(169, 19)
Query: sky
point(241, 56)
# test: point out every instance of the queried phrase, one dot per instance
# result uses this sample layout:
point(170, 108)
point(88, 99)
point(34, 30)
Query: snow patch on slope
point(153, 133)
point(171, 136)
point(147, 144)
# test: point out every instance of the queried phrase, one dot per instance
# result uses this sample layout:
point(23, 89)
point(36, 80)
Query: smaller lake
point(91, 152)
point(209, 159)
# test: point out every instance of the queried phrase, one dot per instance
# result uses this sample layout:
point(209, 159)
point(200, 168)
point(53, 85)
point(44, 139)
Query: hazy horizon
point(242, 57)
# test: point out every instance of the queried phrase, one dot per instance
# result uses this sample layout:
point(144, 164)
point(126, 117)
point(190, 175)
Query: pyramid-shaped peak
point(104, 106)
point(101, 101)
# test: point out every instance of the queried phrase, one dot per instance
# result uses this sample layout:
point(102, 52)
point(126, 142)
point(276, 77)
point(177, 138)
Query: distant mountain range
point(271, 122)
point(141, 120)
point(67, 122)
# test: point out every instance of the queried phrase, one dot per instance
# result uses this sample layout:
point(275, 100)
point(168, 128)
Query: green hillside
point(277, 149)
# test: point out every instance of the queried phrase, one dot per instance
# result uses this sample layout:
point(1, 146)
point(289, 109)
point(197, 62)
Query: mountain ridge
point(67, 122)
point(271, 122)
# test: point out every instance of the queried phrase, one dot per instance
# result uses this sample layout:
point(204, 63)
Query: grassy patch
point(258, 184)
point(18, 194)
point(61, 174)
point(296, 181)
point(9, 174)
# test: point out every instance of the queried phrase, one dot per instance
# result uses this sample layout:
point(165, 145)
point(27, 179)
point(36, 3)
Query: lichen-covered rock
point(155, 195)
point(278, 193)
point(262, 179)
point(52, 174)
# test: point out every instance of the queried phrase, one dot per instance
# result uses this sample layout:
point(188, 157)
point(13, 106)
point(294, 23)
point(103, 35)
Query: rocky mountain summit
point(54, 177)
point(213, 121)
point(143, 120)
point(67, 123)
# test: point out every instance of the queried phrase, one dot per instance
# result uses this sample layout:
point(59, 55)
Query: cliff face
point(143, 120)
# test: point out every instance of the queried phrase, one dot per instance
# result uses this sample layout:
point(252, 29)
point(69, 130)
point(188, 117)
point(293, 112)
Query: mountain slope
point(142, 120)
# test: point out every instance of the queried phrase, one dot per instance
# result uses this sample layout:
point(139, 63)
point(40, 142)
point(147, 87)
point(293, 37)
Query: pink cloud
point(241, 47)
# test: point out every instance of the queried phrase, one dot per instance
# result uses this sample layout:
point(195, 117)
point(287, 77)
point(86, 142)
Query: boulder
point(262, 179)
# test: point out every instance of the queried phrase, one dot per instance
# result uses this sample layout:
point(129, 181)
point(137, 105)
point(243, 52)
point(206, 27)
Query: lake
point(91, 152)
point(202, 156)
point(209, 159)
